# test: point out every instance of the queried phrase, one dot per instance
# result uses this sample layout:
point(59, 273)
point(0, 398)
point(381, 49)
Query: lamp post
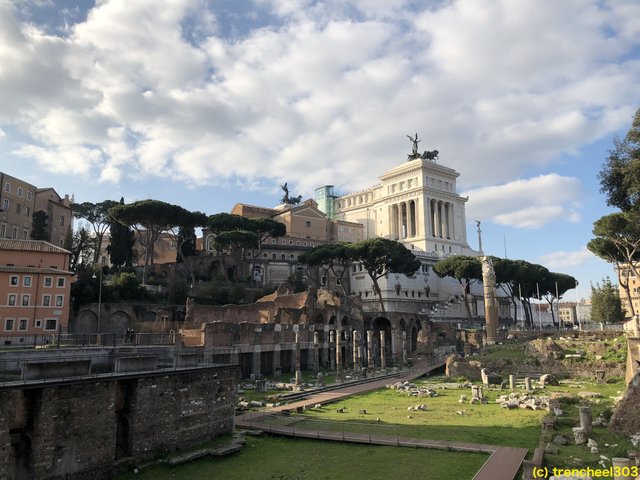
point(99, 306)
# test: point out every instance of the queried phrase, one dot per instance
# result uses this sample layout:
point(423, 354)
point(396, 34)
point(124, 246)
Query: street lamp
point(99, 305)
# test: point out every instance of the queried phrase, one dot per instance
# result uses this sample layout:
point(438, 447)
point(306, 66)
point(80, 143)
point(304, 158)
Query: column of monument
point(298, 380)
point(332, 342)
point(404, 347)
point(383, 358)
point(316, 356)
point(356, 351)
point(370, 364)
point(338, 355)
point(490, 300)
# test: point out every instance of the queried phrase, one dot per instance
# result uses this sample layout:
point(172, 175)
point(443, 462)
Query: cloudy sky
point(208, 103)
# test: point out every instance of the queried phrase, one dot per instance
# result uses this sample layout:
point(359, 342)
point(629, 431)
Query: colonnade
point(403, 219)
point(441, 218)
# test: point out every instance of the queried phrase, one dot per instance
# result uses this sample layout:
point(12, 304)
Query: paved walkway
point(503, 463)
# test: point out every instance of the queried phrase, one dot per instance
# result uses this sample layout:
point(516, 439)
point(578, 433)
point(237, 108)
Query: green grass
point(285, 458)
point(571, 418)
point(489, 424)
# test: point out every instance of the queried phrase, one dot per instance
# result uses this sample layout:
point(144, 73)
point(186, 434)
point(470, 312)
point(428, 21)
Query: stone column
point(316, 357)
point(348, 359)
point(490, 300)
point(338, 354)
point(396, 344)
point(579, 435)
point(383, 358)
point(404, 347)
point(235, 355)
point(527, 384)
point(451, 222)
point(332, 355)
point(622, 465)
point(325, 346)
point(370, 364)
point(276, 361)
point(255, 364)
point(585, 419)
point(512, 382)
point(356, 351)
point(297, 359)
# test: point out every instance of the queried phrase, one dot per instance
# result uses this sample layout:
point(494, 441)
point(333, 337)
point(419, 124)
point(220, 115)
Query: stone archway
point(86, 322)
point(414, 339)
point(117, 322)
point(382, 324)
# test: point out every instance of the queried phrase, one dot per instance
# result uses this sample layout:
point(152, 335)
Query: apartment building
point(59, 216)
point(35, 289)
point(17, 203)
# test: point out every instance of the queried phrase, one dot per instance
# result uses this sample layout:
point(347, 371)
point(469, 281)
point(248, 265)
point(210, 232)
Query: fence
point(308, 426)
point(84, 340)
point(65, 365)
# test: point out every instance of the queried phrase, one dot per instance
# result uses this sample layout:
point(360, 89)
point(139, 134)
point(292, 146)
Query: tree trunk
point(376, 288)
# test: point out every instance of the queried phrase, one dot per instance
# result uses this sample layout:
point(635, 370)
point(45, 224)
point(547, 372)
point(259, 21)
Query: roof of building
point(46, 270)
point(30, 246)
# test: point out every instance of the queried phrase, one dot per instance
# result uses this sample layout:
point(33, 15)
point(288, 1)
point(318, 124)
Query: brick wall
point(84, 429)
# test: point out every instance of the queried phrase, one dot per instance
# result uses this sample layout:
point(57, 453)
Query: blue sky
point(209, 103)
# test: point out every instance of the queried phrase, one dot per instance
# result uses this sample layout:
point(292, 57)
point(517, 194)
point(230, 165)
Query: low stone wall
point(84, 429)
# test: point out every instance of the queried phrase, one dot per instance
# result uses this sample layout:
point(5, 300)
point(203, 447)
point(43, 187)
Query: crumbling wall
point(625, 418)
point(88, 428)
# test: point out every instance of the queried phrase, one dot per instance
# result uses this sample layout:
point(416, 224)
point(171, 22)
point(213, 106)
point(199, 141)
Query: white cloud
point(529, 203)
point(496, 87)
point(560, 260)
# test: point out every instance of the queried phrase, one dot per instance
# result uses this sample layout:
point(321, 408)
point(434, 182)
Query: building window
point(60, 282)
point(37, 323)
point(3, 229)
point(51, 324)
point(22, 324)
point(7, 187)
point(62, 224)
point(18, 208)
point(283, 256)
point(26, 281)
point(307, 223)
point(27, 211)
point(48, 281)
point(338, 281)
point(59, 300)
point(5, 204)
point(25, 234)
point(25, 300)
point(19, 191)
point(8, 324)
point(46, 300)
point(13, 281)
point(273, 256)
point(323, 280)
point(14, 232)
point(29, 195)
point(11, 301)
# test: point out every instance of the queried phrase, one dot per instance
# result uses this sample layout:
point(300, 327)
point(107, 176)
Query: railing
point(63, 340)
point(67, 365)
point(308, 426)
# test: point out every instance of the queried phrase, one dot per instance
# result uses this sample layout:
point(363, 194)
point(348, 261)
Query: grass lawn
point(281, 458)
point(489, 424)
